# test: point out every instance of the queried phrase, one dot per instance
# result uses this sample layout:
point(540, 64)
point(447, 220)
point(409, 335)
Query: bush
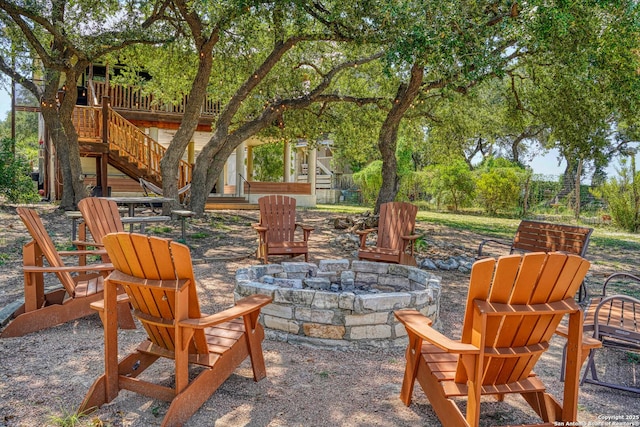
point(414, 186)
point(499, 188)
point(452, 184)
point(369, 180)
point(623, 197)
point(15, 176)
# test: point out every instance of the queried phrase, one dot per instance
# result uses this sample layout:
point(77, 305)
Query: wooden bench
point(537, 236)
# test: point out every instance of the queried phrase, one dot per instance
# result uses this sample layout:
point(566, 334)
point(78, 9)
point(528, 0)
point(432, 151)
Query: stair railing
point(248, 185)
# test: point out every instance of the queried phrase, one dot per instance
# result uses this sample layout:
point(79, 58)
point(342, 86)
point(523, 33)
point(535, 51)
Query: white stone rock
point(370, 332)
point(278, 310)
point(281, 324)
point(314, 315)
point(382, 302)
point(366, 319)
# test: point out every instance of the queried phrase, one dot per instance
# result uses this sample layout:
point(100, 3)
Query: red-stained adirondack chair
point(101, 217)
point(514, 306)
point(277, 226)
point(395, 235)
point(45, 309)
point(158, 277)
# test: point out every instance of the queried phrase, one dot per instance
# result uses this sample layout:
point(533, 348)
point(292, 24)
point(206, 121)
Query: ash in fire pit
point(338, 303)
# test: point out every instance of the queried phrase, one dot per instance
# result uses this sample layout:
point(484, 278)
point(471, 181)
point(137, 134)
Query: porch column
point(191, 152)
point(221, 180)
point(153, 133)
point(313, 156)
point(249, 163)
point(240, 170)
point(287, 162)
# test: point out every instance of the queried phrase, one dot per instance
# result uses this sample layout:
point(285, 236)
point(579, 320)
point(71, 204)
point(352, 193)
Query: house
point(123, 133)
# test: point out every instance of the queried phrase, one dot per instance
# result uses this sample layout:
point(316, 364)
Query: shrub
point(15, 176)
point(452, 184)
point(499, 188)
point(369, 180)
point(623, 197)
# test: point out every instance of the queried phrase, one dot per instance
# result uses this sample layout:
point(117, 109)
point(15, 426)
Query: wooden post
point(104, 159)
point(249, 163)
point(313, 159)
point(240, 170)
point(191, 152)
point(287, 162)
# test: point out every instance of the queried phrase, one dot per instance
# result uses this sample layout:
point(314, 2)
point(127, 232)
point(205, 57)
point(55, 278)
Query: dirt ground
point(45, 375)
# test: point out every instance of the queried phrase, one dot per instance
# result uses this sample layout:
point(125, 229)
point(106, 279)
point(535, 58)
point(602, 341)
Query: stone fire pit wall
point(337, 303)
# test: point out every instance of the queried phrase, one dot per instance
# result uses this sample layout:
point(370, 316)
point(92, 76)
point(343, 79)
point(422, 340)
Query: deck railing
point(125, 97)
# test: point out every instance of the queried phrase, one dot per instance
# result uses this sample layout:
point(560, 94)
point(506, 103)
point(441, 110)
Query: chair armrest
point(498, 242)
point(81, 243)
point(83, 252)
point(99, 305)
point(363, 235)
point(67, 268)
point(411, 237)
point(418, 324)
point(243, 307)
point(306, 230)
point(588, 342)
point(259, 228)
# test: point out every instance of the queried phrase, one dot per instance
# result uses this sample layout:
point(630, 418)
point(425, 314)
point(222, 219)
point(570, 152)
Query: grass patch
point(199, 235)
point(67, 418)
point(4, 258)
point(161, 229)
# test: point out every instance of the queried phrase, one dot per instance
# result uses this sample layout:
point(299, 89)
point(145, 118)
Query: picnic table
point(133, 202)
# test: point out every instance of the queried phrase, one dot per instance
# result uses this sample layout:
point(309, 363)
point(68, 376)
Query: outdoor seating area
point(277, 308)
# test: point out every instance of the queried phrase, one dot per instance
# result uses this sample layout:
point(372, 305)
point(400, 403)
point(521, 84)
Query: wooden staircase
point(104, 133)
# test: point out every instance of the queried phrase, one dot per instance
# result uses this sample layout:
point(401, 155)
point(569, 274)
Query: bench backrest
point(535, 236)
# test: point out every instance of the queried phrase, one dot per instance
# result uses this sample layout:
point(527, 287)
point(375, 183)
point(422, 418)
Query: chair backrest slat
point(535, 278)
point(396, 219)
point(278, 213)
point(143, 258)
point(39, 234)
point(101, 216)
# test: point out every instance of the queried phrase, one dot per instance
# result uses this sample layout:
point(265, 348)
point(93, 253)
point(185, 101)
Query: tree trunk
point(577, 189)
point(388, 137)
point(170, 162)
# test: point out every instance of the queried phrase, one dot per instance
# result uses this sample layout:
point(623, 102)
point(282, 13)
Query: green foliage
point(67, 418)
point(452, 184)
point(622, 195)
point(15, 179)
point(499, 185)
point(268, 162)
point(369, 180)
point(413, 186)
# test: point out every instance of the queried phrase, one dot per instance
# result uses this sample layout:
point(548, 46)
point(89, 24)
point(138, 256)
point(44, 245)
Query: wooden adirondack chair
point(158, 277)
point(395, 235)
point(513, 307)
point(277, 226)
point(101, 217)
point(43, 309)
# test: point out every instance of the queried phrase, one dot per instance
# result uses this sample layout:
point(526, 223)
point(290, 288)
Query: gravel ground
point(45, 375)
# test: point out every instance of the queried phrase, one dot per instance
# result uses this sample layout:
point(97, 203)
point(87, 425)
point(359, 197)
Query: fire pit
point(337, 303)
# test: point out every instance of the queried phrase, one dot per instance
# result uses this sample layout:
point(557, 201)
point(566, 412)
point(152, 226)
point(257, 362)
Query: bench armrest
point(498, 242)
